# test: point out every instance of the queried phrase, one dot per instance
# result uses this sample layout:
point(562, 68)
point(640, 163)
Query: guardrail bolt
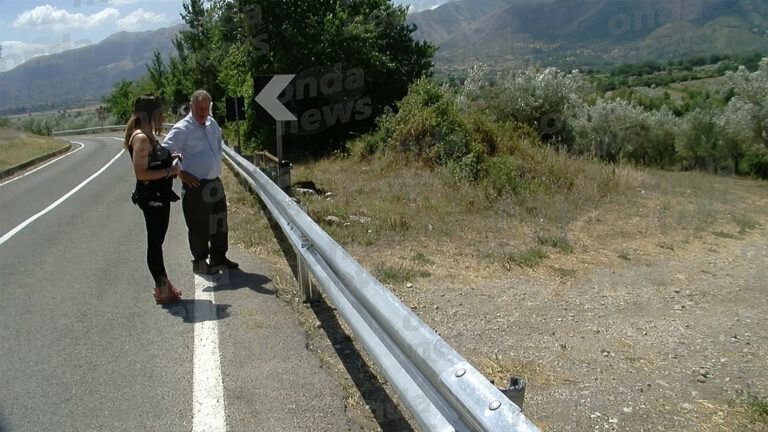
point(460, 372)
point(515, 391)
point(494, 405)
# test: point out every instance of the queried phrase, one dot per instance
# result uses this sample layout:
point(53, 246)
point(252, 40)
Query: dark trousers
point(205, 211)
point(156, 219)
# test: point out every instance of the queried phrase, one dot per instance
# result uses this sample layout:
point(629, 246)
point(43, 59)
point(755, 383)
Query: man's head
point(200, 105)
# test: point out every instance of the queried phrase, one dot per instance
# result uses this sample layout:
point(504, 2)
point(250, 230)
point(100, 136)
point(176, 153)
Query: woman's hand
point(177, 156)
point(173, 171)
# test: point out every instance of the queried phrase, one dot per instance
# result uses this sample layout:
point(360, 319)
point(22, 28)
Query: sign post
point(266, 97)
point(100, 113)
point(235, 106)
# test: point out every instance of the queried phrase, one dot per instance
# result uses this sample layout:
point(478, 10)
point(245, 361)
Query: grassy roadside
point(17, 147)
point(413, 228)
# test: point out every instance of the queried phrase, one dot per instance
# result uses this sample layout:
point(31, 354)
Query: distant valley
point(596, 33)
point(502, 33)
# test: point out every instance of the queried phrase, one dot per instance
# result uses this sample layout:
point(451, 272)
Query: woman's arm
point(141, 149)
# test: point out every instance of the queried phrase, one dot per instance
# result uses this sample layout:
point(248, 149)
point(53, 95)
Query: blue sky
point(29, 28)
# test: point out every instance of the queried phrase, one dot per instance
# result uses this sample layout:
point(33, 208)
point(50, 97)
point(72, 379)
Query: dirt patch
point(653, 319)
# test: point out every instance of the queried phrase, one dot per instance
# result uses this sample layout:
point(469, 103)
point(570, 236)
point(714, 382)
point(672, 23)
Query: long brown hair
point(147, 110)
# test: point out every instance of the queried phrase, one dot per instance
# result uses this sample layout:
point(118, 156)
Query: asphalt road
point(83, 347)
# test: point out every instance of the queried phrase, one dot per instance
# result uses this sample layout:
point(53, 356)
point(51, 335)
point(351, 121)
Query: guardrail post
point(515, 391)
point(284, 176)
point(308, 294)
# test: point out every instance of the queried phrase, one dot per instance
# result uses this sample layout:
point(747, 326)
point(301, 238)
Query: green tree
point(119, 103)
point(352, 59)
point(157, 72)
point(699, 144)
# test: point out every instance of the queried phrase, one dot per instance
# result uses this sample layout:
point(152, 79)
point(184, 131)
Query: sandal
point(173, 291)
point(172, 297)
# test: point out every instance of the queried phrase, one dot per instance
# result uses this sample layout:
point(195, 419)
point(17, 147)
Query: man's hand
point(188, 179)
point(176, 156)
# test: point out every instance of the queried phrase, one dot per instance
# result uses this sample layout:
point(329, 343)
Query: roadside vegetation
point(17, 147)
point(45, 123)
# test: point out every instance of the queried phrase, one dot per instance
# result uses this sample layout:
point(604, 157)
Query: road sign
point(235, 108)
point(267, 88)
point(100, 113)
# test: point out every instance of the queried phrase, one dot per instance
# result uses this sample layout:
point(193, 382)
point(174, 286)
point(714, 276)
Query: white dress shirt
point(200, 145)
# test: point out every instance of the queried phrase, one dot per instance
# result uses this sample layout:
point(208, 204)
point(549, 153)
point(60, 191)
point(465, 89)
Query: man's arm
point(175, 139)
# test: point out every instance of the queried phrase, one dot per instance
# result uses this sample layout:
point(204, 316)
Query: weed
point(745, 223)
point(557, 241)
point(757, 408)
point(623, 254)
point(564, 273)
point(665, 245)
point(420, 258)
point(723, 234)
point(530, 257)
point(398, 274)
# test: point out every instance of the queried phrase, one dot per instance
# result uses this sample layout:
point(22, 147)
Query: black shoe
point(226, 262)
point(202, 268)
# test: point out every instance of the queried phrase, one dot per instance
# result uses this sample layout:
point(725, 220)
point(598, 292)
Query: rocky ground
point(630, 332)
point(666, 342)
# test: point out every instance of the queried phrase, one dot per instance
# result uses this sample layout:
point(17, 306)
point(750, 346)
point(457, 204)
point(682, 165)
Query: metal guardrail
point(95, 129)
point(89, 130)
point(439, 387)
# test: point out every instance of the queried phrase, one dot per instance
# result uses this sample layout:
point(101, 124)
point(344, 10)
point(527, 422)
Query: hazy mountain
point(591, 32)
point(85, 72)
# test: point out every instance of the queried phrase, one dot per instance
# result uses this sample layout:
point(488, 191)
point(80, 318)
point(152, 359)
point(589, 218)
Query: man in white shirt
point(197, 137)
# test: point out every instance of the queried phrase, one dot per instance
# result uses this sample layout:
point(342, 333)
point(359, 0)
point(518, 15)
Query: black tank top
point(160, 190)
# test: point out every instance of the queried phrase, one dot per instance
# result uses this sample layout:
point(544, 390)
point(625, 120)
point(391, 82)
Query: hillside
point(84, 73)
point(575, 33)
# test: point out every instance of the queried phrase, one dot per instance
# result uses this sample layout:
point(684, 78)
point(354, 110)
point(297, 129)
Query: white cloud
point(140, 18)
point(47, 16)
point(125, 2)
point(422, 5)
point(17, 52)
point(18, 46)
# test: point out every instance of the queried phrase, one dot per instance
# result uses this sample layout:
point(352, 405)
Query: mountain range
point(88, 72)
point(598, 33)
point(502, 33)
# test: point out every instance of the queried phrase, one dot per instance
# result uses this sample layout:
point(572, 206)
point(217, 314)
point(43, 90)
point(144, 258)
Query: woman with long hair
point(155, 170)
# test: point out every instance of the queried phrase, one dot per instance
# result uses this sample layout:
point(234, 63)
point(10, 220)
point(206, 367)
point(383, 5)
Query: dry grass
point(386, 209)
point(17, 147)
point(500, 370)
point(427, 228)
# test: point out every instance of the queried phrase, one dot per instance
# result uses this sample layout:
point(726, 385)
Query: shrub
point(699, 143)
point(543, 99)
point(609, 129)
point(428, 125)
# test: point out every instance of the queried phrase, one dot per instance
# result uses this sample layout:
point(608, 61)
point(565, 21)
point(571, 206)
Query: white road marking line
point(45, 165)
point(208, 391)
point(21, 226)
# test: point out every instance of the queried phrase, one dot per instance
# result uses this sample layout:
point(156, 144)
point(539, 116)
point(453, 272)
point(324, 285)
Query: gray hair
point(200, 95)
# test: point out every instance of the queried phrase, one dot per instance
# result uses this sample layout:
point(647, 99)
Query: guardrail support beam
point(308, 294)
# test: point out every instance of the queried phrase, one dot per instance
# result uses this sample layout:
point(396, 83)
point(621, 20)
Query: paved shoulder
point(271, 381)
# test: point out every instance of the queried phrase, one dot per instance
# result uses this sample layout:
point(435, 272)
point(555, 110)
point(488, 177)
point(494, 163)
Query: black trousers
point(156, 218)
point(205, 211)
